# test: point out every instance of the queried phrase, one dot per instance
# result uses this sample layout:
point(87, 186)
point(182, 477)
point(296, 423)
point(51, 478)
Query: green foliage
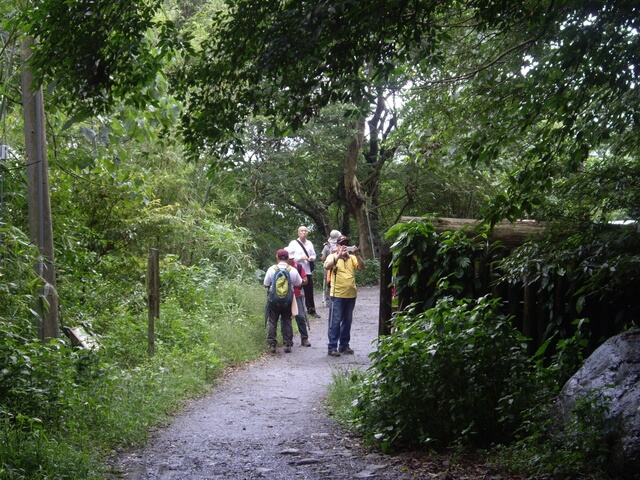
point(595, 267)
point(18, 281)
point(37, 393)
point(69, 407)
point(343, 391)
point(425, 264)
point(547, 91)
point(28, 453)
point(371, 274)
point(456, 373)
point(90, 65)
point(577, 449)
point(34, 376)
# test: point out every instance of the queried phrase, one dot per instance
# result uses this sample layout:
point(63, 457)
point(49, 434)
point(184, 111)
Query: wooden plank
point(81, 338)
point(510, 234)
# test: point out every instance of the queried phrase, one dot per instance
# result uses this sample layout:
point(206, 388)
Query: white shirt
point(296, 279)
point(298, 253)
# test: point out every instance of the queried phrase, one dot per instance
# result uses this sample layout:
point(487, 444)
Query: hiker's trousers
point(340, 319)
point(284, 315)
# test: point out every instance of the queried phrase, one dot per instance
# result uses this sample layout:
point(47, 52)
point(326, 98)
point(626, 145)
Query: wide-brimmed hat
point(334, 236)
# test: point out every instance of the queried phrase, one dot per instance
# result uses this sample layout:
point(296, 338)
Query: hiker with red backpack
point(281, 279)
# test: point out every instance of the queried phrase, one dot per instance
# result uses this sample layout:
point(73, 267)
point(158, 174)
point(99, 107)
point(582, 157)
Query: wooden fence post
point(153, 296)
point(385, 312)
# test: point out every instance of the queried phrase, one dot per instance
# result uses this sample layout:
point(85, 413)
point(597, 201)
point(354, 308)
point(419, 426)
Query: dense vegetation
point(211, 129)
point(457, 371)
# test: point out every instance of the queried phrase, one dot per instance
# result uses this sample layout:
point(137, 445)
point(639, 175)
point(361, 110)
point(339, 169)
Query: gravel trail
point(268, 420)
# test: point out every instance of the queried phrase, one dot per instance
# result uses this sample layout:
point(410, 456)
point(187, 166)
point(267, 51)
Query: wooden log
point(510, 234)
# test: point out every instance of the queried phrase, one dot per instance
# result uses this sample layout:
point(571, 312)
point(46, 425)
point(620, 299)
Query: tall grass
point(104, 400)
point(342, 393)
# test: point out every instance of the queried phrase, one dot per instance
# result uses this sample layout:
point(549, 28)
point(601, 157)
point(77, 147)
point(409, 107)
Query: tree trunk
point(356, 199)
point(377, 153)
point(40, 224)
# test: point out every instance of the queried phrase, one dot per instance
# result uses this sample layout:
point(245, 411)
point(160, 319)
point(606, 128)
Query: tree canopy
point(211, 129)
point(546, 83)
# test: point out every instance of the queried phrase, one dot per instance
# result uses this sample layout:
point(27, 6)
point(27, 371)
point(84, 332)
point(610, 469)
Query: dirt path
point(268, 420)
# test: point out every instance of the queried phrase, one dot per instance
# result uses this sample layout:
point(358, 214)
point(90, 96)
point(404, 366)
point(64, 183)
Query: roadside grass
point(342, 393)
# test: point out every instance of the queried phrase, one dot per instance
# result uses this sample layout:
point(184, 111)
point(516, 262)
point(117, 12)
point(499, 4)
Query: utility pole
point(40, 223)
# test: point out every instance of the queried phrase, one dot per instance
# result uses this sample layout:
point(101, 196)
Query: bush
point(456, 373)
point(578, 449)
point(61, 408)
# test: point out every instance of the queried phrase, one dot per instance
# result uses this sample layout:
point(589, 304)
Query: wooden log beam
point(510, 234)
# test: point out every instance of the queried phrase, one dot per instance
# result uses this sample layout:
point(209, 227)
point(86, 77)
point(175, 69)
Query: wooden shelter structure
point(509, 234)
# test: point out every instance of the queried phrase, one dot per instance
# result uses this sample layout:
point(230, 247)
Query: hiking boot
point(305, 342)
point(334, 353)
point(347, 351)
point(273, 349)
point(287, 349)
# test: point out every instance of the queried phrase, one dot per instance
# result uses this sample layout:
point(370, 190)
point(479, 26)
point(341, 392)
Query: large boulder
point(613, 370)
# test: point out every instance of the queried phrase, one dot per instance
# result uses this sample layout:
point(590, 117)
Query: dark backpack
point(281, 289)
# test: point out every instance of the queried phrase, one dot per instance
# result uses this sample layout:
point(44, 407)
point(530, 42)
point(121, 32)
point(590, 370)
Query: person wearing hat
point(282, 313)
point(343, 265)
point(329, 247)
point(331, 244)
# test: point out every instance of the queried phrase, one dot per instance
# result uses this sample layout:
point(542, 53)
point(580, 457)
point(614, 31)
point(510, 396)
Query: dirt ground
point(268, 421)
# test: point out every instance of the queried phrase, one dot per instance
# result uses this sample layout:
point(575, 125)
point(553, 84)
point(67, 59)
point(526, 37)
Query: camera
point(351, 249)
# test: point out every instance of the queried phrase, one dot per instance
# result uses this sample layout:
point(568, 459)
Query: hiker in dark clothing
point(281, 311)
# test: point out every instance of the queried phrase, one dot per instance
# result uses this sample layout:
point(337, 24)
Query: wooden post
point(385, 312)
point(40, 220)
point(153, 295)
point(529, 317)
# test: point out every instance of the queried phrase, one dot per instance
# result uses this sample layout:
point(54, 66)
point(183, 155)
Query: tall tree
point(544, 81)
point(88, 67)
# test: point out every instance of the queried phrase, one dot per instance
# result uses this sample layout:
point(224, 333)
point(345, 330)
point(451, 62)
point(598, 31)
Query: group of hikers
point(290, 284)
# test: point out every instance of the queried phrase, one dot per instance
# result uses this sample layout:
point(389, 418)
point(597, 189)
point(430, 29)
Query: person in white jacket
point(305, 255)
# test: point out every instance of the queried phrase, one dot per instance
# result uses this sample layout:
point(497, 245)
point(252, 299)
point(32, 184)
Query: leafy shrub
point(458, 372)
point(18, 280)
point(423, 259)
point(371, 274)
point(35, 377)
point(577, 449)
point(28, 453)
point(342, 393)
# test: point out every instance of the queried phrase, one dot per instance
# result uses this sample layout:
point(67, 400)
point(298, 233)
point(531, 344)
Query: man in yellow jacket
point(342, 265)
